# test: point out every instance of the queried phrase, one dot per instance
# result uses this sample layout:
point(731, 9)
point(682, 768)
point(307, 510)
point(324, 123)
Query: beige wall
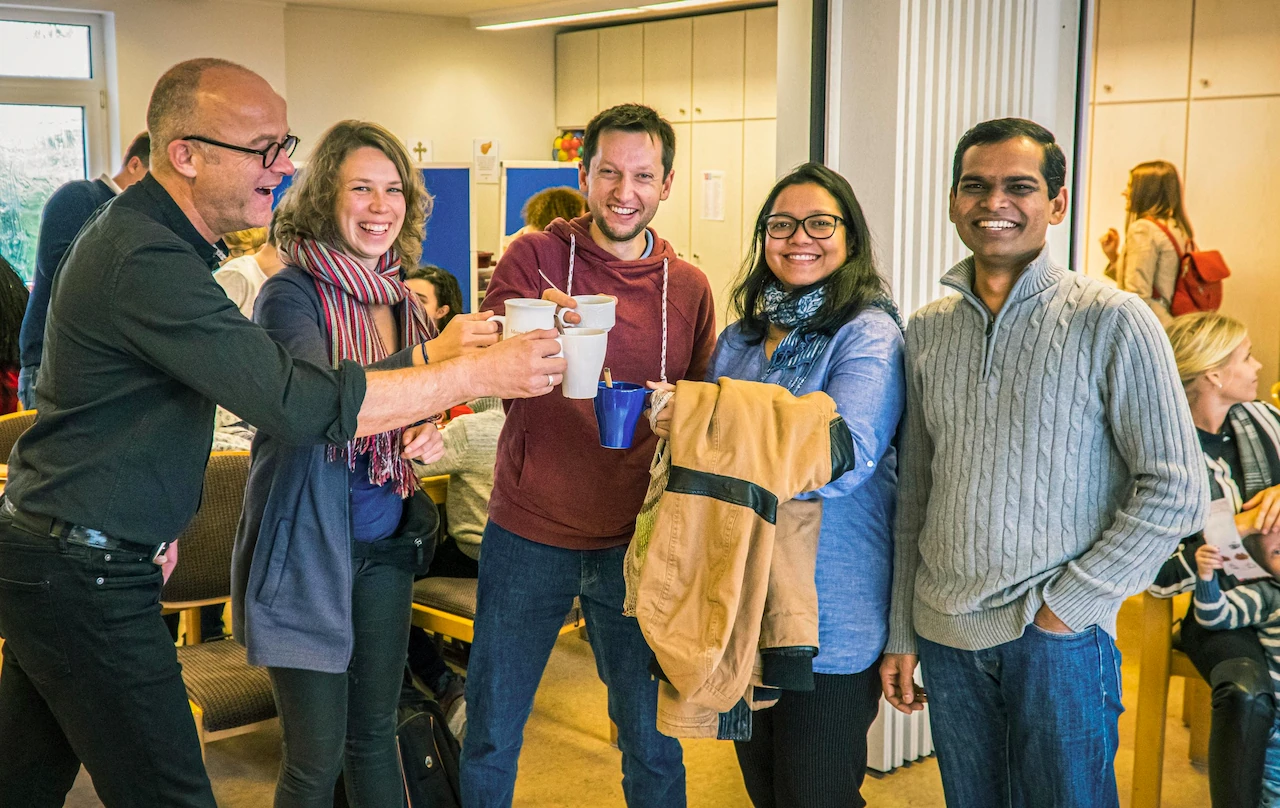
point(423, 77)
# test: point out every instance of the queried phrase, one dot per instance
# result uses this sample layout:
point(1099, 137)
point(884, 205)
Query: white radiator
point(896, 738)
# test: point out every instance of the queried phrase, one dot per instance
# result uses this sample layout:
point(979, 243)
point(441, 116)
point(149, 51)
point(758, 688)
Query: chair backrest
point(11, 426)
point(204, 548)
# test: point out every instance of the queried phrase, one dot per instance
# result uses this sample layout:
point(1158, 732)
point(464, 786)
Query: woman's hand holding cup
point(464, 334)
point(662, 424)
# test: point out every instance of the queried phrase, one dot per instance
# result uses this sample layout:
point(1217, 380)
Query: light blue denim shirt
point(862, 369)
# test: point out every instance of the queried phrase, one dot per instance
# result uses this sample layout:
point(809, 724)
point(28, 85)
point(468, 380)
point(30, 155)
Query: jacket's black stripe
point(725, 489)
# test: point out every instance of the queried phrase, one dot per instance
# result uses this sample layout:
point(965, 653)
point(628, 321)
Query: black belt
point(75, 534)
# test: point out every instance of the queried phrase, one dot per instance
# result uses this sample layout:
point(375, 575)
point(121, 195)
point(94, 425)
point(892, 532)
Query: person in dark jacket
point(327, 547)
point(1240, 438)
point(64, 214)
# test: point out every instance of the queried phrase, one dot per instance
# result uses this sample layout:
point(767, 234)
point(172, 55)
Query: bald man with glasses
point(141, 343)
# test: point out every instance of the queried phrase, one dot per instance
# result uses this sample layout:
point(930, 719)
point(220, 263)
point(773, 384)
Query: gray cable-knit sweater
point(1048, 456)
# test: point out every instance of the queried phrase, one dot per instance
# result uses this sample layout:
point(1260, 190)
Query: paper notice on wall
point(713, 196)
point(1220, 531)
point(485, 158)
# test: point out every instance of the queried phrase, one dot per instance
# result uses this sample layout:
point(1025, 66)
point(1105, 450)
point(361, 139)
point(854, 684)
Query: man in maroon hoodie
point(563, 508)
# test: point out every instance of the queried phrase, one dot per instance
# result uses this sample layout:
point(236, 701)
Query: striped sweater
point(1048, 456)
point(1254, 604)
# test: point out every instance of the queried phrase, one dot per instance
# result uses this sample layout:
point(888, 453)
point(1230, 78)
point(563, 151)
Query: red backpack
point(1200, 275)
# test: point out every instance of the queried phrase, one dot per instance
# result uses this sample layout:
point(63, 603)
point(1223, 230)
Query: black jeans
point(90, 676)
point(329, 717)
point(1235, 666)
point(810, 749)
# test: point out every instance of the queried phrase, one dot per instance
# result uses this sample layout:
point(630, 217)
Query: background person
point(1147, 264)
point(13, 304)
point(438, 291)
point(563, 508)
point(1240, 441)
point(64, 214)
point(242, 276)
point(1049, 462)
point(815, 315)
point(86, 556)
point(544, 207)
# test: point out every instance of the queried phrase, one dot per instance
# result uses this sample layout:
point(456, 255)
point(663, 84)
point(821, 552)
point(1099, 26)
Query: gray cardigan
point(1048, 456)
point(291, 567)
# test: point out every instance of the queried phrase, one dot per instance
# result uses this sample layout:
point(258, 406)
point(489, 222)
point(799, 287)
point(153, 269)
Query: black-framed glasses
point(819, 225)
point(268, 155)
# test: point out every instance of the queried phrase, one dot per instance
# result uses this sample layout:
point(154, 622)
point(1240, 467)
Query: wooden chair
point(1159, 661)
point(228, 696)
point(446, 607)
point(11, 426)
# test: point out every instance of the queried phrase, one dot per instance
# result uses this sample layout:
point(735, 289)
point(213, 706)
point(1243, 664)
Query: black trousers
point(1235, 666)
point(90, 675)
point(810, 749)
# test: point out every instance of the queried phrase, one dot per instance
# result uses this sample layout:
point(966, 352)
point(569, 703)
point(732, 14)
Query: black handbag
point(413, 545)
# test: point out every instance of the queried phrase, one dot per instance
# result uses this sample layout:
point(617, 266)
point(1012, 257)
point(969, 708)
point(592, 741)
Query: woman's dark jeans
point(347, 721)
point(1234, 664)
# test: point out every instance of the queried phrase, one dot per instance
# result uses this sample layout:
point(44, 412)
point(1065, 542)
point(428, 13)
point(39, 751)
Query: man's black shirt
point(140, 344)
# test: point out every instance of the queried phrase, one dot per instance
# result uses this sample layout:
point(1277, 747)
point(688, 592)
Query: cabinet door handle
point(698, 110)
point(1204, 82)
point(696, 257)
point(682, 112)
point(1106, 88)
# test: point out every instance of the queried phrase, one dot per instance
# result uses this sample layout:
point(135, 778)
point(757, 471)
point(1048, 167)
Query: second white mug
point(584, 350)
point(596, 311)
point(526, 314)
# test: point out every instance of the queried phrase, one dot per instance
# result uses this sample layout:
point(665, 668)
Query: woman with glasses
point(332, 536)
point(815, 315)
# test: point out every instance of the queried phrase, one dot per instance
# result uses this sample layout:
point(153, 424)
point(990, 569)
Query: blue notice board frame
point(522, 179)
point(451, 231)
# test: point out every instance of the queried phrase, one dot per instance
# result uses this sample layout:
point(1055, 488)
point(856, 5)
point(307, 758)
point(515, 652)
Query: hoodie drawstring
point(666, 286)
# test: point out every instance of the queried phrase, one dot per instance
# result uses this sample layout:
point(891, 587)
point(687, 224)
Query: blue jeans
point(524, 593)
point(1031, 723)
point(1271, 770)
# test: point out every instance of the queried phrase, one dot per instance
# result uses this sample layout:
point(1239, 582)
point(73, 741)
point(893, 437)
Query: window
point(52, 118)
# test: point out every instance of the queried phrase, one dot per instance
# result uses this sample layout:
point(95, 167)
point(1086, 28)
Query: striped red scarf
point(347, 288)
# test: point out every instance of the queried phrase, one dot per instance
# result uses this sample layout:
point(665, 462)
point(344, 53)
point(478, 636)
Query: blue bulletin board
point(450, 240)
point(523, 179)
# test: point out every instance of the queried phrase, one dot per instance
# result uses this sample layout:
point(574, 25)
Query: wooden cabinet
point(715, 229)
point(1123, 136)
point(1232, 189)
point(1143, 49)
point(759, 172)
point(719, 42)
point(761, 73)
point(1235, 49)
point(672, 219)
point(577, 94)
point(668, 66)
point(621, 73)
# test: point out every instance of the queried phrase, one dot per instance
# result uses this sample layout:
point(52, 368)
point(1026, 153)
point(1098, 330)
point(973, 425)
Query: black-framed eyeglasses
point(268, 155)
point(819, 225)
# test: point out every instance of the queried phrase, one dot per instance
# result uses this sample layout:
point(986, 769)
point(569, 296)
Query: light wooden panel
point(718, 64)
point(1233, 193)
point(672, 219)
point(1143, 50)
point(717, 245)
point(1123, 136)
point(761, 85)
point(668, 68)
point(577, 99)
point(621, 65)
point(1236, 48)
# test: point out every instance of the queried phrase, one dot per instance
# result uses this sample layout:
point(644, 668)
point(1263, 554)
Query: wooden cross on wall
point(419, 150)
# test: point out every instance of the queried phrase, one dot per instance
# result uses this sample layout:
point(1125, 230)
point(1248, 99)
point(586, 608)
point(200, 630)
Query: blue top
point(862, 369)
point(291, 567)
point(60, 222)
point(375, 509)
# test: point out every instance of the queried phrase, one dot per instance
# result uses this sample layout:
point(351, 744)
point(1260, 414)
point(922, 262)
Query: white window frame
point(90, 94)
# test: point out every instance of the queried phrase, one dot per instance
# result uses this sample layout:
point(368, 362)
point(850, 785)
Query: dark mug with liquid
point(618, 410)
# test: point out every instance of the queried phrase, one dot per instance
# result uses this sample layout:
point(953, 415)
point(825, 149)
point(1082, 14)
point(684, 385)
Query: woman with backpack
point(1156, 235)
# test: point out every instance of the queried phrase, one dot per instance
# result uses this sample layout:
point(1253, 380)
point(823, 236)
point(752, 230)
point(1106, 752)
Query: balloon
point(562, 156)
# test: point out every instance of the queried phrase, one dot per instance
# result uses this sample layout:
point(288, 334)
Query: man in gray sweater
point(1049, 466)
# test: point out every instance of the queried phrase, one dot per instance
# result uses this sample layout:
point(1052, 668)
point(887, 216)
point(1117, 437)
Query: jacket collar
point(151, 198)
point(1039, 275)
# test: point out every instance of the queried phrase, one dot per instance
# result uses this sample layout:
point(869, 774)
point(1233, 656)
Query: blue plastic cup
point(618, 409)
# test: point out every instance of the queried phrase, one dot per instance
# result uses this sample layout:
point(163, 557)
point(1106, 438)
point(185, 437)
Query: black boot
point(1243, 714)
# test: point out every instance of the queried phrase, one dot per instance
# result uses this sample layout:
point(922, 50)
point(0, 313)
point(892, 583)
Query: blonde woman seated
point(1241, 442)
point(1156, 233)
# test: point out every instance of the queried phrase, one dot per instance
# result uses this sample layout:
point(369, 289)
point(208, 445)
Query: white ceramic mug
point(583, 350)
point(596, 311)
point(525, 314)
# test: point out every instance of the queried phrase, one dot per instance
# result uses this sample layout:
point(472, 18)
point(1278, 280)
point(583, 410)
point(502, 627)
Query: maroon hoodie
point(554, 483)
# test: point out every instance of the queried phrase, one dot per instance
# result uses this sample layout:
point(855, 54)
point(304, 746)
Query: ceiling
point(438, 8)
